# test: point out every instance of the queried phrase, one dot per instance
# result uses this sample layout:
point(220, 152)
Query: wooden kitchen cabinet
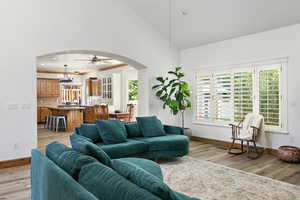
point(42, 112)
point(48, 87)
point(94, 87)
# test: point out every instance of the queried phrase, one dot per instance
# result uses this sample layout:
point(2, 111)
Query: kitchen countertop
point(65, 108)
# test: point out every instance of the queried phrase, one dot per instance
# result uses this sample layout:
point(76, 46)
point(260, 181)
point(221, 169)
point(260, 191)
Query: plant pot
point(187, 132)
point(289, 154)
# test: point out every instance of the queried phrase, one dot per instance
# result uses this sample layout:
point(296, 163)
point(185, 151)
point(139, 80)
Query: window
point(224, 96)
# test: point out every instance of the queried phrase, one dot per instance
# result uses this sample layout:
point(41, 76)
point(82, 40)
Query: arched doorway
point(71, 82)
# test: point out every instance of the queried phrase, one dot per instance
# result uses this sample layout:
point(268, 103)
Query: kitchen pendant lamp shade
point(67, 78)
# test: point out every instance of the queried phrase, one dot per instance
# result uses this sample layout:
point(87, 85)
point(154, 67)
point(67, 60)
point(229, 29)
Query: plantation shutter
point(203, 96)
point(269, 95)
point(243, 94)
point(223, 104)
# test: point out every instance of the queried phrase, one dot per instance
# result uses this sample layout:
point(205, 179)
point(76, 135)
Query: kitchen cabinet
point(47, 87)
point(94, 87)
point(42, 112)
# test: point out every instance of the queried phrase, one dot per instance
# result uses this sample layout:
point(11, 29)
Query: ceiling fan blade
point(82, 59)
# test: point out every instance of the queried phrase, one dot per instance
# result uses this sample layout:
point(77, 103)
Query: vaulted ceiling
point(197, 22)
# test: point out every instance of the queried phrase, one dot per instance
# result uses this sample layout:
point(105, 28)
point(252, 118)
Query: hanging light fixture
point(67, 78)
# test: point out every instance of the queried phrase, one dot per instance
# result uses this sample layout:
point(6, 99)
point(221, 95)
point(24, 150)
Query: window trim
point(251, 66)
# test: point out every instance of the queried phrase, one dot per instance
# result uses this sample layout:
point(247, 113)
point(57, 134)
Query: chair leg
point(57, 125)
point(232, 144)
point(258, 154)
point(242, 145)
point(232, 147)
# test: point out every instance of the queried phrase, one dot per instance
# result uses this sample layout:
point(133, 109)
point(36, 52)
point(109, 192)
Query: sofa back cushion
point(89, 131)
point(111, 131)
point(144, 179)
point(67, 159)
point(133, 130)
point(73, 161)
point(150, 126)
point(96, 152)
point(55, 149)
point(105, 183)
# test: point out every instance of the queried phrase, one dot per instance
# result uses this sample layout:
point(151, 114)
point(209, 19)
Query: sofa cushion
point(150, 126)
point(166, 143)
point(111, 131)
point(55, 149)
point(73, 161)
point(89, 131)
point(99, 154)
point(87, 147)
point(105, 183)
point(125, 149)
point(175, 130)
point(69, 160)
point(144, 179)
point(133, 130)
point(147, 165)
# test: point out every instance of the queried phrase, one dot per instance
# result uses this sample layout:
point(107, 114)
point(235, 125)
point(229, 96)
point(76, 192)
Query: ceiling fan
point(95, 59)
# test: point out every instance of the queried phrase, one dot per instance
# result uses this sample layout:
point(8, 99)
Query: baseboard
point(228, 144)
point(15, 163)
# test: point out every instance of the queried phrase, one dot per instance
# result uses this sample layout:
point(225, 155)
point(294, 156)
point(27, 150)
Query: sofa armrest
point(174, 130)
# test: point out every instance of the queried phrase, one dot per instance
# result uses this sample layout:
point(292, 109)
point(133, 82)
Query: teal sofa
point(65, 174)
point(173, 144)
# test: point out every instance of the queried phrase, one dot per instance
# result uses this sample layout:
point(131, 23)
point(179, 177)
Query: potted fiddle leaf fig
point(174, 92)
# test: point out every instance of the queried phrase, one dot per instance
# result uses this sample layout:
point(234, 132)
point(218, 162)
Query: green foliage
point(133, 90)
point(174, 93)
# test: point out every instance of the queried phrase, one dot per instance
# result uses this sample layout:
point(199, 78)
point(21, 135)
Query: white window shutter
point(223, 98)
point(269, 95)
point(203, 96)
point(243, 94)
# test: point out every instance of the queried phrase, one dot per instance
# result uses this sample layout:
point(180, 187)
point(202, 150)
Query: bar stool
point(47, 122)
point(59, 119)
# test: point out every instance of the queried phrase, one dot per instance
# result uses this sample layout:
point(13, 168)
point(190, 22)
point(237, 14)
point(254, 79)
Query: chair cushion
point(105, 183)
point(129, 148)
point(147, 165)
point(150, 126)
point(111, 131)
point(144, 179)
point(166, 143)
point(133, 130)
point(89, 131)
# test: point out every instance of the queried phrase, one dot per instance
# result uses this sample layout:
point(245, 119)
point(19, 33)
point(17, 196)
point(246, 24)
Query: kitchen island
point(74, 115)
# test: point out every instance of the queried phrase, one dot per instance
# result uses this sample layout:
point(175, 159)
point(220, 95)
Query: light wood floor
point(15, 182)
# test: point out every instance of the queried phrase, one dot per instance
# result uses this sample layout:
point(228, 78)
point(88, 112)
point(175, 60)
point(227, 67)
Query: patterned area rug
point(209, 181)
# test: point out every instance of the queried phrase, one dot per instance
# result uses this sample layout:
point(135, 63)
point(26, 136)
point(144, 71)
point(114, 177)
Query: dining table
point(122, 116)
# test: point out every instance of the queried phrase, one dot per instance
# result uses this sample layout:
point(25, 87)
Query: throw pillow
point(150, 126)
point(90, 131)
point(144, 179)
point(104, 183)
point(111, 131)
point(133, 130)
point(73, 161)
point(99, 154)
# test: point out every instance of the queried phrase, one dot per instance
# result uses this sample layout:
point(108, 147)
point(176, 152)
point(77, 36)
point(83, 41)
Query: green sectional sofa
point(66, 174)
point(172, 144)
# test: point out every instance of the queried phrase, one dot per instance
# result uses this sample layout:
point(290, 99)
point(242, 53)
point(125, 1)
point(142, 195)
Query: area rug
point(209, 181)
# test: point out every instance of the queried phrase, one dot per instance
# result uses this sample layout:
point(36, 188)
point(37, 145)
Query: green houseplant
point(174, 92)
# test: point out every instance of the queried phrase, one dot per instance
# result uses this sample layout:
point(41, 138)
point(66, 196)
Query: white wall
point(32, 28)
point(284, 42)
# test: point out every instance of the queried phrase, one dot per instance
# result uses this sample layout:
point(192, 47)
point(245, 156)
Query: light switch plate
point(26, 106)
